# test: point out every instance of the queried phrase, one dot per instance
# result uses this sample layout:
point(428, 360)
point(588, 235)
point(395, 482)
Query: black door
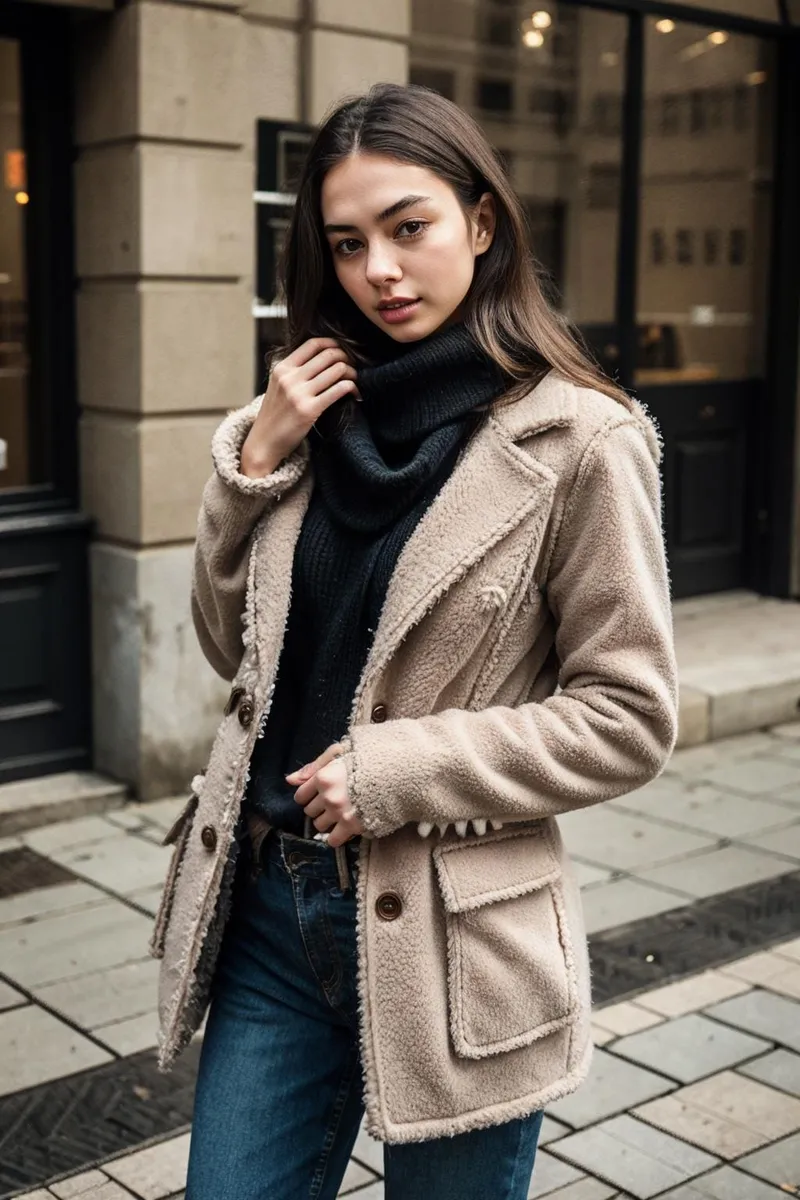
point(44, 608)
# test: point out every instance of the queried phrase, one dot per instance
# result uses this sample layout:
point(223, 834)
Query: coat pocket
point(177, 836)
point(511, 975)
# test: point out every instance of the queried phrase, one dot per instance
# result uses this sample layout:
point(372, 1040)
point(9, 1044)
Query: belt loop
point(341, 864)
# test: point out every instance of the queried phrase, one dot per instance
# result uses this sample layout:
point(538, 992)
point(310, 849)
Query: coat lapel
point(493, 487)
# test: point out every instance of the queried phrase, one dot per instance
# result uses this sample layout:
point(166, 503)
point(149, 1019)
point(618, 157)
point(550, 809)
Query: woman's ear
point(485, 219)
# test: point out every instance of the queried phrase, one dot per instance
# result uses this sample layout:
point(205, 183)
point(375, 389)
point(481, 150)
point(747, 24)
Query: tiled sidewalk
point(696, 1081)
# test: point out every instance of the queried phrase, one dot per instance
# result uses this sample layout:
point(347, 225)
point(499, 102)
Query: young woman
point(430, 560)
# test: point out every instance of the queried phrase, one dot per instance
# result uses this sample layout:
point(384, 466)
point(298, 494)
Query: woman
point(437, 517)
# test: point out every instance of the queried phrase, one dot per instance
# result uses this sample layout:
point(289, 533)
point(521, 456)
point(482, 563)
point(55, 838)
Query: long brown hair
point(506, 309)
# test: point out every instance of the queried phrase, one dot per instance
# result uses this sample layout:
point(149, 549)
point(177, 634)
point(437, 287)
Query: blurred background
point(149, 154)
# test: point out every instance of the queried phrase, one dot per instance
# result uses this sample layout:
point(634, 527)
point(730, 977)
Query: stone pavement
point(695, 1092)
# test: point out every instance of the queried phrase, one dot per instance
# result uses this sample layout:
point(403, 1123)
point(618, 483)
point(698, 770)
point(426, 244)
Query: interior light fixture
point(534, 38)
point(541, 19)
point(754, 78)
point(718, 38)
point(21, 197)
point(665, 26)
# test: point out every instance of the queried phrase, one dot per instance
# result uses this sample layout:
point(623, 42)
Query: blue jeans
point(279, 1092)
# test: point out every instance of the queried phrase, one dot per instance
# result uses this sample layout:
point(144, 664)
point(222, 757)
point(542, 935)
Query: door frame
point(772, 472)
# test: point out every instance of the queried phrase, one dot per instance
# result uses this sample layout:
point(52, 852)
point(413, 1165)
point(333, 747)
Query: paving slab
point(625, 841)
point(551, 1131)
point(780, 975)
point(549, 1174)
point(622, 1019)
point(622, 900)
point(583, 1189)
point(764, 1014)
point(10, 997)
point(760, 776)
point(588, 875)
point(41, 902)
point(102, 997)
point(779, 1069)
point(706, 809)
point(36, 1047)
point(629, 1154)
point(75, 943)
point(61, 835)
point(121, 863)
point(51, 798)
point(690, 1047)
point(718, 871)
point(790, 731)
point(368, 1150)
point(788, 949)
point(153, 1173)
point(690, 995)
point(612, 1087)
point(354, 1177)
point(728, 1115)
point(695, 763)
point(129, 1036)
point(760, 968)
point(778, 1164)
point(78, 1185)
point(784, 842)
point(726, 1183)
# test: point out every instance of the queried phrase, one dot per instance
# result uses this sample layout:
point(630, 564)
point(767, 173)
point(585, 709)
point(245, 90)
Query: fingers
point(310, 349)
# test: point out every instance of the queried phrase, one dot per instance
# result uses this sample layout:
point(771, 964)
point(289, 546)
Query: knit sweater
point(374, 479)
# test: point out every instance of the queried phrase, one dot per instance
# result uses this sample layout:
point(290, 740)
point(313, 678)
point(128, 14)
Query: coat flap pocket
point(495, 866)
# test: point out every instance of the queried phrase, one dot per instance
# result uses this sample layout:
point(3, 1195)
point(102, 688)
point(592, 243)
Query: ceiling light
point(21, 197)
point(718, 37)
point(533, 38)
point(541, 19)
point(665, 26)
point(754, 78)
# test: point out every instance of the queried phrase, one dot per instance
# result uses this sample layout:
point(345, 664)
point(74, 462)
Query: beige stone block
point(153, 346)
point(157, 702)
point(167, 210)
point(106, 85)
point(625, 1018)
point(690, 995)
point(392, 17)
point(107, 212)
point(197, 211)
point(274, 10)
point(693, 717)
point(176, 462)
point(143, 478)
point(192, 74)
point(342, 64)
point(273, 78)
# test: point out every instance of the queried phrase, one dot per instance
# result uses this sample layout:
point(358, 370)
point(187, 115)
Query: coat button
point(389, 905)
point(246, 712)
point(208, 836)
point(379, 713)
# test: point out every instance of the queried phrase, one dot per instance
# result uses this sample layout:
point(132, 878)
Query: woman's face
point(397, 232)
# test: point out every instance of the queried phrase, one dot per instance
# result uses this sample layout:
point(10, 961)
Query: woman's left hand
point(323, 794)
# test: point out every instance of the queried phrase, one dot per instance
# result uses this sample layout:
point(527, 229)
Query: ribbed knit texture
point(374, 479)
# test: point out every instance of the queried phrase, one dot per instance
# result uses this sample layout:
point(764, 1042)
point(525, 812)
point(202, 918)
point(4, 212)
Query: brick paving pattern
point(695, 1090)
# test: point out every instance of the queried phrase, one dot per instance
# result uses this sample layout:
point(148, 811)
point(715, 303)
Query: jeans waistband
point(306, 856)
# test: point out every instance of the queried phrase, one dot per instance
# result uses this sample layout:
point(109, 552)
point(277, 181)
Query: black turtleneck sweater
point(373, 480)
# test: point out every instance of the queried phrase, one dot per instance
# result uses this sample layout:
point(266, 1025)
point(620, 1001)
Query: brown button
point(233, 700)
point(208, 836)
point(379, 713)
point(246, 712)
point(389, 905)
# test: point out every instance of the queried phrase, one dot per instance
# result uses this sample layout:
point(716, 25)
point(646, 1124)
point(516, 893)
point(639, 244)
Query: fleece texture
point(524, 655)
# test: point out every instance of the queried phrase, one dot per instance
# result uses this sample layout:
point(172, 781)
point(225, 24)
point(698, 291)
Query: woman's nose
point(381, 266)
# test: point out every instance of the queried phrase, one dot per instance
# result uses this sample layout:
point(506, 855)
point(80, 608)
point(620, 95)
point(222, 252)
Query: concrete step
point(34, 802)
point(739, 664)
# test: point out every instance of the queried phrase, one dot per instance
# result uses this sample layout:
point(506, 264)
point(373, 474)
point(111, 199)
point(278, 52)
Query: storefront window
point(15, 455)
point(705, 204)
point(546, 85)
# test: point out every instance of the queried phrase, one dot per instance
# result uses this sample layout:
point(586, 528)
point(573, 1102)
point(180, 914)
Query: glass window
point(758, 10)
point(19, 456)
point(708, 186)
point(550, 103)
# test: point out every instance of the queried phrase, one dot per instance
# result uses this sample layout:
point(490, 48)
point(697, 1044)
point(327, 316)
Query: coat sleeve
point(613, 725)
point(232, 506)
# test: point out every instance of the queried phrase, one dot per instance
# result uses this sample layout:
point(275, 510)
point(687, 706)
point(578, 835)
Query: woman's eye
point(419, 226)
point(345, 246)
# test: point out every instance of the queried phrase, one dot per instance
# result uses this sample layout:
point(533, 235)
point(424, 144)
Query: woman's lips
point(393, 316)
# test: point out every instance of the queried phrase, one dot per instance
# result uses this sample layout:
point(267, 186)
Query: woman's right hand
point(301, 386)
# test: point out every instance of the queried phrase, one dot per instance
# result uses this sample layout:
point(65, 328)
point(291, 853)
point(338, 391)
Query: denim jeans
point(279, 1092)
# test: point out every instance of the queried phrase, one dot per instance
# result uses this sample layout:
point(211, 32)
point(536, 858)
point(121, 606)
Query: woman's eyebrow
point(391, 211)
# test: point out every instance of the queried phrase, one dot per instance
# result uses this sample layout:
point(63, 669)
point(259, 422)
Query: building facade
point(149, 151)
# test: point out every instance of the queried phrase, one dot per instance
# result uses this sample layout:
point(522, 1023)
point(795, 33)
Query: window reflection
point(705, 203)
point(13, 285)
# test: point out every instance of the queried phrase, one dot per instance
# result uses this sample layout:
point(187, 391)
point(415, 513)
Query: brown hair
point(506, 309)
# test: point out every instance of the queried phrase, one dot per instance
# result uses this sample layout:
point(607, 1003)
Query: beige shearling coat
point(525, 657)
